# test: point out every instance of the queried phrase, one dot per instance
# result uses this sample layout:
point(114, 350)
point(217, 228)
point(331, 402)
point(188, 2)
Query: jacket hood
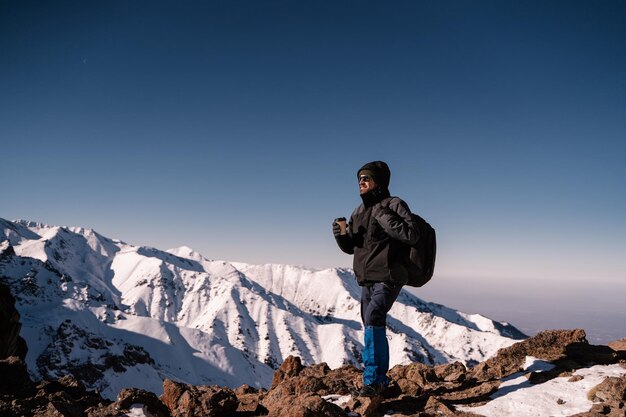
point(382, 174)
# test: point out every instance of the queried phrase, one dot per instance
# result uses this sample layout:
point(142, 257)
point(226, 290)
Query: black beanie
point(381, 172)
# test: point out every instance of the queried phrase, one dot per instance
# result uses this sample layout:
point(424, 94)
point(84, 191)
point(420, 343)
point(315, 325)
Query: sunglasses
point(365, 178)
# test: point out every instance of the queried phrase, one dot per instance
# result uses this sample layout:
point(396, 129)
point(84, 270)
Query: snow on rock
point(200, 321)
point(563, 396)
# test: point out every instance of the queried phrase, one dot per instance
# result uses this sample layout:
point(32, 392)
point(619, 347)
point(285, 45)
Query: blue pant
point(376, 301)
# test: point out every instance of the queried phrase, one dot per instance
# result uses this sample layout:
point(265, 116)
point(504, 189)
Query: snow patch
point(557, 397)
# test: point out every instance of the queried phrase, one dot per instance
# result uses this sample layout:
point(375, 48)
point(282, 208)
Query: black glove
point(336, 229)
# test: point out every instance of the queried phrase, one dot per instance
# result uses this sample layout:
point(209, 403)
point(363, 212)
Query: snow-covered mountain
point(117, 315)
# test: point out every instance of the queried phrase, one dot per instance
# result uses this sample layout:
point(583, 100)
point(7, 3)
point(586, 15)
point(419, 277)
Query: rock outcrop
point(298, 390)
point(608, 397)
point(19, 396)
point(184, 400)
point(618, 345)
point(129, 399)
point(11, 344)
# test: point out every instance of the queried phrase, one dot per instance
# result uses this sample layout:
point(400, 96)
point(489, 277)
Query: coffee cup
point(341, 221)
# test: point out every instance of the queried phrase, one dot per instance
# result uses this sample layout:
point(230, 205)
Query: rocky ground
point(299, 391)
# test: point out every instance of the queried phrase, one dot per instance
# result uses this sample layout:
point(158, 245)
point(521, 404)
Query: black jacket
point(380, 237)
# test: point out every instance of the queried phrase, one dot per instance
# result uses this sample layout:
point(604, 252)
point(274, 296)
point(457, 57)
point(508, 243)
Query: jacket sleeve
point(397, 221)
point(345, 242)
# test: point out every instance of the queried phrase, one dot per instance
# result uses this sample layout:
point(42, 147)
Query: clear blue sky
point(237, 127)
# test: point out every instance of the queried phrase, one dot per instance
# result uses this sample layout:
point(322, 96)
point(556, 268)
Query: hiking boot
point(372, 390)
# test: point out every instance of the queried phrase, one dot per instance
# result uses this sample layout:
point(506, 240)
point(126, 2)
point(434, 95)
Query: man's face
point(366, 184)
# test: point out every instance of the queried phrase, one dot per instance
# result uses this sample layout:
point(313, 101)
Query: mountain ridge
point(202, 321)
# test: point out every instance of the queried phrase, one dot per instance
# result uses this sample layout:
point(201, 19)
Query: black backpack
point(422, 257)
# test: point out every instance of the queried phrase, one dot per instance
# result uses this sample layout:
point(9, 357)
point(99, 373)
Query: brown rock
point(307, 405)
point(406, 405)
point(338, 381)
point(600, 408)
point(110, 410)
point(250, 404)
point(245, 389)
point(544, 376)
point(65, 397)
point(291, 367)
point(293, 382)
point(318, 370)
point(172, 391)
point(184, 400)
point(611, 390)
point(484, 371)
point(297, 386)
point(618, 345)
point(473, 394)
point(67, 384)
point(412, 379)
point(129, 396)
point(416, 379)
point(549, 345)
point(436, 407)
point(250, 401)
point(466, 414)
point(408, 387)
point(364, 406)
point(452, 372)
point(342, 380)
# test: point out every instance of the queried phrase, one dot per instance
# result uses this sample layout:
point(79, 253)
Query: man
point(379, 235)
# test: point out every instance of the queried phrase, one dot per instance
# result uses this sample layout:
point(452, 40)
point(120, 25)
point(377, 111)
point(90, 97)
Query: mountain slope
point(119, 315)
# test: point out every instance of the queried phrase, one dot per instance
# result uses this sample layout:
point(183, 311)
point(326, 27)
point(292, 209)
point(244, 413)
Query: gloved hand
point(336, 229)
